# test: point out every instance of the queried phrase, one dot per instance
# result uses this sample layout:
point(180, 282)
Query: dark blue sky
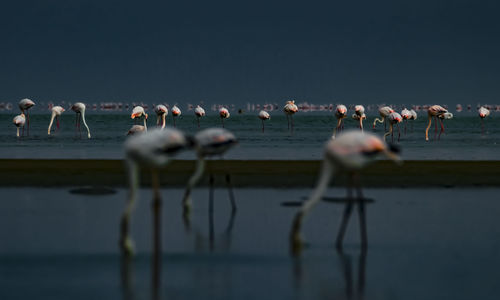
point(232, 52)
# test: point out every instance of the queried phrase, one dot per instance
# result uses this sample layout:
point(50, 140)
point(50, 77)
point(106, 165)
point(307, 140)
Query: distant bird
point(264, 115)
point(340, 114)
point(393, 119)
point(359, 115)
point(79, 109)
point(24, 106)
point(224, 114)
point(56, 112)
point(483, 113)
point(139, 112)
point(151, 150)
point(434, 111)
point(199, 113)
point(135, 129)
point(209, 142)
point(349, 153)
point(175, 113)
point(161, 112)
point(384, 112)
point(442, 117)
point(413, 117)
point(19, 121)
point(290, 109)
point(406, 115)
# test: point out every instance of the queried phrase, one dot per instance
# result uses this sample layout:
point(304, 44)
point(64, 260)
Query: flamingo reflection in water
point(349, 153)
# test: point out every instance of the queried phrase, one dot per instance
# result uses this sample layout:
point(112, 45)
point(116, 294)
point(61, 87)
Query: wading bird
point(434, 111)
point(483, 113)
point(151, 150)
point(79, 109)
point(24, 106)
point(161, 113)
point(223, 114)
point(209, 142)
point(56, 112)
point(264, 115)
point(359, 115)
point(290, 109)
point(139, 112)
point(413, 117)
point(340, 114)
point(384, 112)
point(349, 153)
point(19, 121)
point(199, 112)
point(175, 113)
point(406, 115)
point(442, 117)
point(393, 119)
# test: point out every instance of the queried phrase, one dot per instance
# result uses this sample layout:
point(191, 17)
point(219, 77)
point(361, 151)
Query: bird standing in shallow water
point(24, 106)
point(224, 114)
point(483, 113)
point(199, 113)
point(384, 112)
point(161, 113)
point(406, 115)
point(176, 112)
point(19, 121)
point(340, 114)
point(79, 109)
point(434, 111)
point(393, 119)
point(359, 115)
point(264, 116)
point(290, 109)
point(348, 153)
point(56, 112)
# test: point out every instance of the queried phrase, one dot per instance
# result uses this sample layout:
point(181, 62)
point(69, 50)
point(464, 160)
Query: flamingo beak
point(133, 116)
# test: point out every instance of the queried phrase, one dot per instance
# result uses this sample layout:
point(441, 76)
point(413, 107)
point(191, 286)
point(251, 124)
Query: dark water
point(462, 140)
point(423, 244)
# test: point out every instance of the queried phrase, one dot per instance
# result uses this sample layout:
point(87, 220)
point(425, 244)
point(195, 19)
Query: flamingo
point(406, 115)
point(153, 150)
point(138, 112)
point(349, 153)
point(209, 142)
point(394, 119)
point(264, 115)
point(199, 112)
point(19, 121)
point(442, 117)
point(161, 112)
point(413, 117)
point(483, 113)
point(359, 114)
point(224, 114)
point(340, 114)
point(24, 106)
point(56, 112)
point(384, 112)
point(434, 111)
point(175, 112)
point(135, 129)
point(79, 109)
point(290, 109)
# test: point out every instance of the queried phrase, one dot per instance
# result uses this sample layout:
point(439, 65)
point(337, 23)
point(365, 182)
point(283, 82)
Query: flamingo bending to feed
point(79, 109)
point(290, 109)
point(153, 150)
point(483, 113)
point(434, 111)
point(406, 115)
point(384, 112)
point(413, 117)
point(394, 119)
point(139, 112)
point(161, 112)
point(199, 112)
point(24, 106)
point(359, 115)
point(175, 113)
point(264, 115)
point(19, 121)
point(445, 116)
point(349, 153)
point(340, 114)
point(224, 114)
point(209, 142)
point(56, 112)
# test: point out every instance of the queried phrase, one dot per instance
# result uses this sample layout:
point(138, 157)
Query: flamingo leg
point(174, 121)
point(28, 117)
point(482, 126)
point(288, 121)
point(291, 117)
point(222, 122)
point(346, 216)
point(211, 212)
point(231, 194)
point(399, 133)
point(427, 129)
point(198, 119)
point(156, 206)
point(405, 125)
point(262, 125)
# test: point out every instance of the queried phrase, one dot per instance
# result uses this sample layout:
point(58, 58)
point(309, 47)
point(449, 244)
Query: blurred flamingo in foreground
point(56, 112)
point(24, 106)
point(264, 115)
point(349, 153)
point(79, 109)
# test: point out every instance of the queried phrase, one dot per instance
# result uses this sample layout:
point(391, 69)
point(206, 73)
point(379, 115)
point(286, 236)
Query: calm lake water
point(462, 141)
point(423, 244)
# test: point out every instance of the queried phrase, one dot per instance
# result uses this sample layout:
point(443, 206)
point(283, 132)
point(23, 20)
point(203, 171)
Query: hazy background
point(235, 52)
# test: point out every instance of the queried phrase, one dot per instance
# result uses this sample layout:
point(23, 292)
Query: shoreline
point(246, 173)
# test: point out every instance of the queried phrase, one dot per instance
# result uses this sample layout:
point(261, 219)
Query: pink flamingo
point(434, 111)
point(406, 115)
point(19, 121)
point(56, 112)
point(176, 112)
point(359, 115)
point(224, 114)
point(24, 106)
point(264, 115)
point(394, 119)
point(79, 109)
point(290, 109)
point(199, 112)
point(161, 112)
point(483, 113)
point(340, 114)
point(384, 112)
